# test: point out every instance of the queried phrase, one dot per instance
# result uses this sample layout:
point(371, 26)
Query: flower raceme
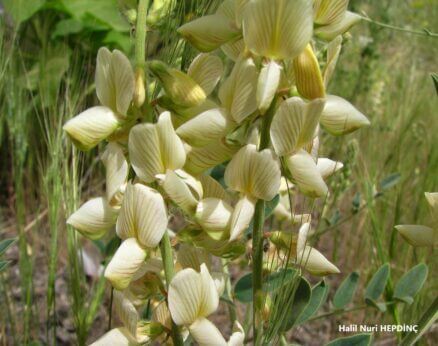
point(210, 121)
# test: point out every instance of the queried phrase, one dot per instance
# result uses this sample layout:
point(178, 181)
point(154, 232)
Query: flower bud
point(181, 88)
point(94, 218)
point(140, 90)
point(92, 126)
point(315, 263)
point(418, 235)
point(308, 76)
point(209, 32)
point(340, 27)
point(340, 117)
point(207, 127)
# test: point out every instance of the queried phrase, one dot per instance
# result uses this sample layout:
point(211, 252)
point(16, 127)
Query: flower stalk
point(257, 235)
point(169, 272)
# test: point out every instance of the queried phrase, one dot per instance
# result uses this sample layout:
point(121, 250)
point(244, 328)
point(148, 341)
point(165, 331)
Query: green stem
point(257, 237)
point(231, 307)
point(169, 272)
point(140, 42)
point(140, 34)
point(424, 32)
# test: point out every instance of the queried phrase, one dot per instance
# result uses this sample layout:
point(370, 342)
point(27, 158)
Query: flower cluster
point(261, 121)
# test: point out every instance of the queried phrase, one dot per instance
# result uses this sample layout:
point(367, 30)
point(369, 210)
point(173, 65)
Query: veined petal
point(115, 81)
point(294, 124)
point(267, 86)
point(161, 314)
point(207, 127)
point(183, 115)
point(212, 188)
point(315, 263)
point(283, 214)
point(277, 29)
point(126, 311)
point(117, 170)
point(192, 295)
point(327, 167)
point(94, 218)
point(91, 127)
point(154, 148)
point(180, 87)
point(418, 235)
point(238, 336)
point(214, 215)
point(238, 92)
point(306, 174)
point(201, 159)
point(115, 337)
point(239, 10)
point(219, 281)
point(329, 32)
point(173, 154)
point(189, 256)
point(227, 9)
point(143, 215)
point(179, 192)
point(340, 117)
point(128, 258)
point(145, 153)
point(206, 70)
point(256, 174)
point(333, 51)
point(193, 183)
point(205, 333)
point(209, 32)
point(241, 217)
point(234, 49)
point(302, 237)
point(210, 301)
point(329, 11)
point(308, 78)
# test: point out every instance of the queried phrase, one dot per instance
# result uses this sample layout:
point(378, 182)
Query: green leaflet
point(376, 286)
point(355, 340)
point(346, 290)
point(317, 299)
point(410, 283)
